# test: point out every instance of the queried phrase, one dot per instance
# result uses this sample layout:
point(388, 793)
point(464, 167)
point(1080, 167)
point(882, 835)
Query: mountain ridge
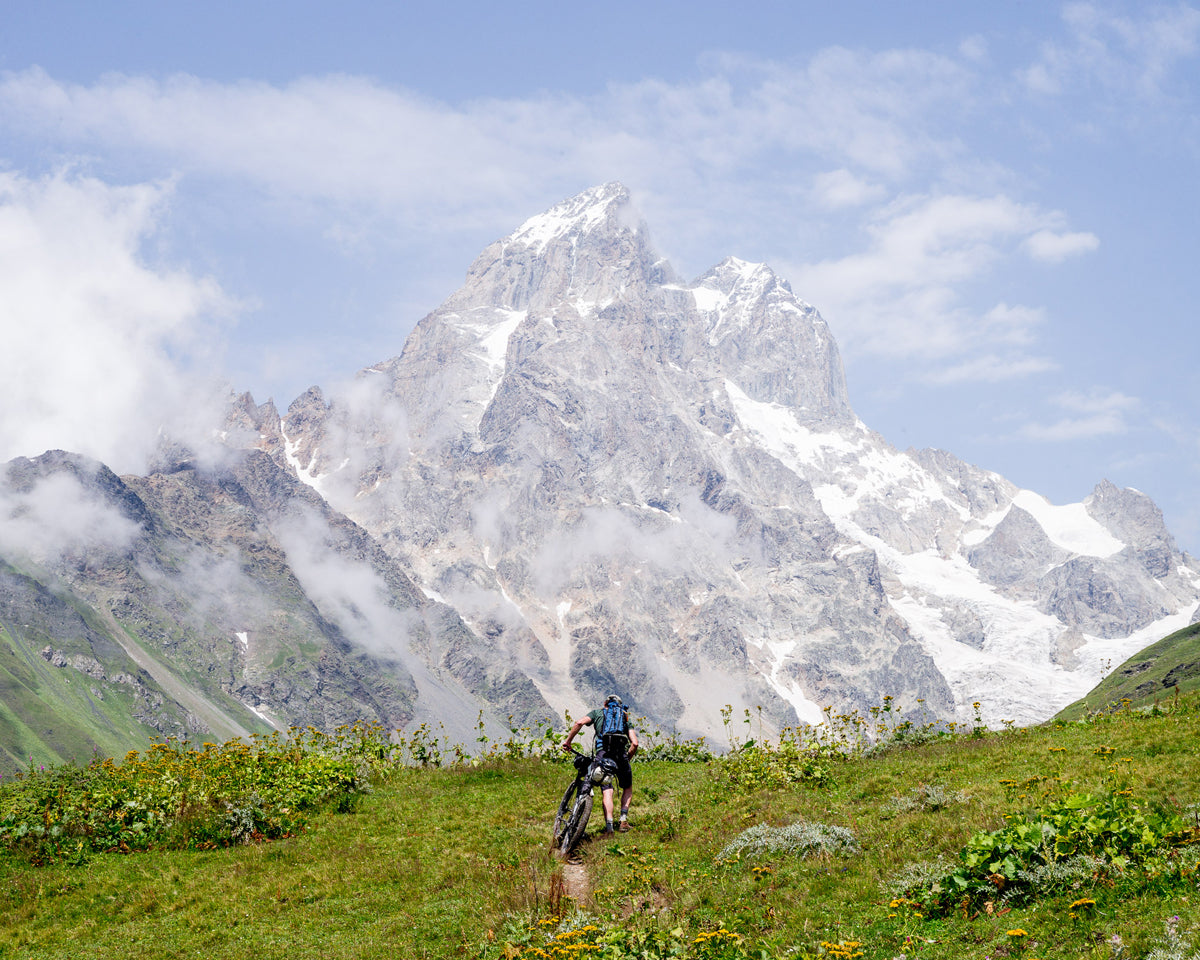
point(581, 476)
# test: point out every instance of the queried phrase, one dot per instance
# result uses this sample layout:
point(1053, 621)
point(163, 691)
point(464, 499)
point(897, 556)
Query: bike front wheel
point(576, 823)
point(563, 816)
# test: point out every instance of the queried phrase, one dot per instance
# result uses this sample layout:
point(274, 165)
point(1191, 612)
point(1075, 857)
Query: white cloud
point(923, 241)
point(351, 141)
point(627, 538)
point(60, 517)
point(991, 368)
point(348, 452)
point(1095, 414)
point(346, 589)
point(841, 188)
point(1015, 324)
point(1052, 247)
point(1120, 54)
point(93, 335)
point(974, 48)
point(754, 152)
point(900, 297)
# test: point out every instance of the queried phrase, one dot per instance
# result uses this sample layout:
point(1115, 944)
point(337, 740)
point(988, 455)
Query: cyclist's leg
point(625, 780)
point(606, 800)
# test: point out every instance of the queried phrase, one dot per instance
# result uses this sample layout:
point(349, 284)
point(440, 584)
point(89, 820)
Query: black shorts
point(624, 770)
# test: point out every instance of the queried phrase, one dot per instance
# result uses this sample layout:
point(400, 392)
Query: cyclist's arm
point(579, 725)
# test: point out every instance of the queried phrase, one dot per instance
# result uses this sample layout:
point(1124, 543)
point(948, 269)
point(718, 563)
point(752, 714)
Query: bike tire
point(564, 814)
point(577, 824)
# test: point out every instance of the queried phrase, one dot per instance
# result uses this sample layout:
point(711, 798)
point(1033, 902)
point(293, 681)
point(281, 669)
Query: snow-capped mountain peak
point(733, 274)
point(589, 210)
point(627, 483)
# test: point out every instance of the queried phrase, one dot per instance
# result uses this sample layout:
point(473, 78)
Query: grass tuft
point(800, 839)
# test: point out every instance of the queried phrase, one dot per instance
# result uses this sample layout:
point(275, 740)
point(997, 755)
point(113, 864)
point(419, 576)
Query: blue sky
point(994, 206)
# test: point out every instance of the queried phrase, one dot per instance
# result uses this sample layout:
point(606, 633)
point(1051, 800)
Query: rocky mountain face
point(630, 483)
point(582, 475)
point(206, 604)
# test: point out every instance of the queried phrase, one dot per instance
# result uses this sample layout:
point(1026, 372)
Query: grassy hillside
point(1151, 676)
point(453, 861)
point(49, 714)
point(45, 718)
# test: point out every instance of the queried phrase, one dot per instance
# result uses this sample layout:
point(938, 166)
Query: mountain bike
point(576, 807)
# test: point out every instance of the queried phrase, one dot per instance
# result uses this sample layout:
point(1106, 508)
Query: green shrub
point(176, 795)
point(671, 749)
point(1050, 849)
point(753, 765)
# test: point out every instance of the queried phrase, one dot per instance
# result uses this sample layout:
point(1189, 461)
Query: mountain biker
point(617, 744)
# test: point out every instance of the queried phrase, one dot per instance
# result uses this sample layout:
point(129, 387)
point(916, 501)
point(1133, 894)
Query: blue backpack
point(613, 728)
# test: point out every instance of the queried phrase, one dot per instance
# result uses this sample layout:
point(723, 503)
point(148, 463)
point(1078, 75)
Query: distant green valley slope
point(1154, 674)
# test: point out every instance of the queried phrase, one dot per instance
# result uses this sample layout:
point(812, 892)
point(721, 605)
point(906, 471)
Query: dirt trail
point(576, 883)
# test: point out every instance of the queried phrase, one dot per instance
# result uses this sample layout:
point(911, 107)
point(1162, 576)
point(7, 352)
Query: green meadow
point(872, 837)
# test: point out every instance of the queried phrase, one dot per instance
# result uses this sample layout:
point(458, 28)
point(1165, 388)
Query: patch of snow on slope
point(734, 309)
point(1007, 688)
point(495, 343)
point(510, 601)
point(806, 710)
point(775, 427)
point(972, 538)
point(1013, 675)
point(491, 329)
point(1016, 657)
point(491, 335)
point(1101, 656)
point(898, 480)
point(267, 718)
point(860, 469)
point(708, 299)
point(305, 474)
point(1070, 526)
point(748, 271)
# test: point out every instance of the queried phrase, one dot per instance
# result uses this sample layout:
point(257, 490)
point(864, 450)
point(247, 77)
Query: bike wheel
point(563, 814)
point(573, 832)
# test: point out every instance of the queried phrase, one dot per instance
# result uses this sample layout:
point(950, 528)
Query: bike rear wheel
point(577, 823)
point(564, 814)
